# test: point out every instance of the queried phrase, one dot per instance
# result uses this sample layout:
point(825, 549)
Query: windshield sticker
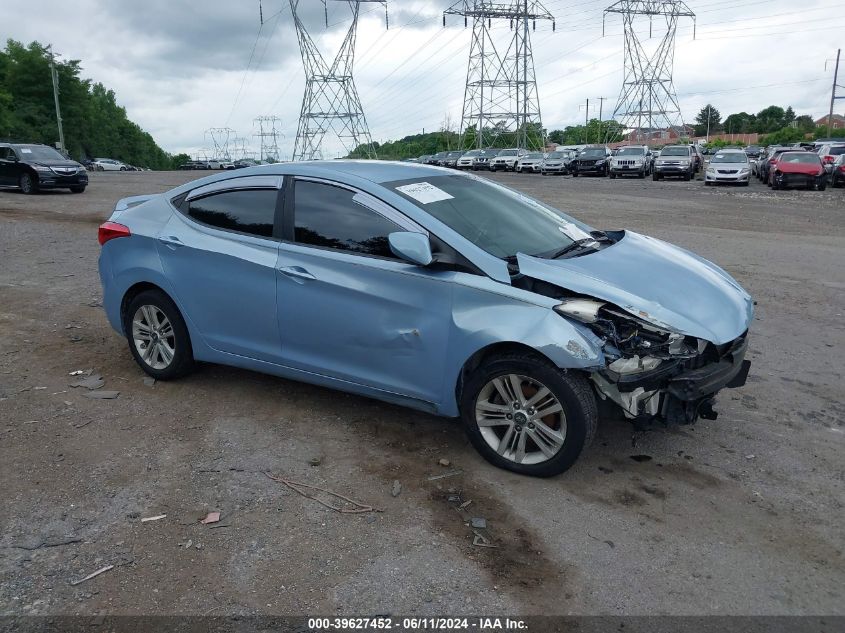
point(573, 232)
point(26, 150)
point(424, 192)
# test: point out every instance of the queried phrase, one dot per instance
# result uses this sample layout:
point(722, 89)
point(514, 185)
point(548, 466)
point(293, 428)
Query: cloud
point(181, 68)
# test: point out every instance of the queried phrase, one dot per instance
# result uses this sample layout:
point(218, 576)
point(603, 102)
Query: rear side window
point(328, 217)
point(248, 211)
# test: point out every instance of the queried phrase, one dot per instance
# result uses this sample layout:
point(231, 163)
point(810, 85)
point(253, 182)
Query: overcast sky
point(180, 68)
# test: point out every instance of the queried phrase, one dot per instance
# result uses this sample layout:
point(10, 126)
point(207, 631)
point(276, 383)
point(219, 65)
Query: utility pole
point(833, 96)
point(601, 110)
point(647, 79)
point(500, 96)
point(55, 76)
point(586, 123)
point(331, 101)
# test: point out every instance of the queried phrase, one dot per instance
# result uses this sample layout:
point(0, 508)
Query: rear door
point(348, 308)
point(220, 253)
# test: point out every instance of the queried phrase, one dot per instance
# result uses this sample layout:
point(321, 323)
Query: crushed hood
point(656, 281)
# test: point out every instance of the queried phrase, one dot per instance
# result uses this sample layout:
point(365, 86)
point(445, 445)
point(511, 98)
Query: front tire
point(77, 189)
point(157, 335)
point(525, 415)
point(28, 183)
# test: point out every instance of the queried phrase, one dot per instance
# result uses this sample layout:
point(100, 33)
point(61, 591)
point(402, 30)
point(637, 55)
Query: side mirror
point(412, 247)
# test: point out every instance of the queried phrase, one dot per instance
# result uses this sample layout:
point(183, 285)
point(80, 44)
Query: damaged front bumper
point(677, 391)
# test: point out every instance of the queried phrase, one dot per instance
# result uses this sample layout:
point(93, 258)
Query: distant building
point(838, 122)
point(659, 135)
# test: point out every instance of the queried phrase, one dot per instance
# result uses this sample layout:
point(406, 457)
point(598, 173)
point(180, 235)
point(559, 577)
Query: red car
point(798, 169)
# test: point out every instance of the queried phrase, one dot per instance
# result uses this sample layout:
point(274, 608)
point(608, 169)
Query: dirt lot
point(742, 515)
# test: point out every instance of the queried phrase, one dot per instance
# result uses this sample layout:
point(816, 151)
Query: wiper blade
point(576, 245)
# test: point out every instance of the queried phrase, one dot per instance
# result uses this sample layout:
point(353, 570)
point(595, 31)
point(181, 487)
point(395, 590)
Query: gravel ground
point(742, 515)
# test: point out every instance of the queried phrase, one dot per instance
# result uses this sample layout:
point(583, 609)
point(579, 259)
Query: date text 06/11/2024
point(386, 623)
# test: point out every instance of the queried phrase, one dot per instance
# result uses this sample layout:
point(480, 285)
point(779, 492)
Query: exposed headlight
point(584, 310)
point(600, 162)
point(41, 168)
point(744, 170)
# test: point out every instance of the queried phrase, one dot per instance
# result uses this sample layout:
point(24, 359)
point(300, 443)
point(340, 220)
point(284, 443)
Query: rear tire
point(157, 335)
point(566, 431)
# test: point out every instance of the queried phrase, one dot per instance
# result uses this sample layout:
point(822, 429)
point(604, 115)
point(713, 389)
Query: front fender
point(481, 318)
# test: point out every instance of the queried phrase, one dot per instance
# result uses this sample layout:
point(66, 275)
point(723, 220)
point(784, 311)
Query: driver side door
point(348, 308)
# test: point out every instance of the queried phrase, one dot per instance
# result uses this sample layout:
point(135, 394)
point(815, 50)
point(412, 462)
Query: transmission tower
point(648, 93)
point(268, 137)
point(331, 100)
point(220, 140)
point(501, 89)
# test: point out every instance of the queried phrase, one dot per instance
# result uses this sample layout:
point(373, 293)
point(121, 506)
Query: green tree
point(94, 124)
point(770, 119)
point(805, 123)
point(708, 114)
point(739, 123)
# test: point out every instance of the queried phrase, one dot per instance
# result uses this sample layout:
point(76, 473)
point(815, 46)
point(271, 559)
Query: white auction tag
point(424, 192)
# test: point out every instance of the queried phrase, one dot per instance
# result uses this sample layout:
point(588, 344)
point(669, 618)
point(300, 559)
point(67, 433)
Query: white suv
point(633, 159)
point(506, 160)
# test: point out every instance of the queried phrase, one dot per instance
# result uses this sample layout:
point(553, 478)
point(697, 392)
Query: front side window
point(6, 153)
point(329, 217)
point(248, 211)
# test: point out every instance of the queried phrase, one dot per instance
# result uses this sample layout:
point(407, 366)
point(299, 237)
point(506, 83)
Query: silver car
point(530, 163)
point(728, 166)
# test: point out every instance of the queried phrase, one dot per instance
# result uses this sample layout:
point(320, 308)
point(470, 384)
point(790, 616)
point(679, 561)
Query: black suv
point(34, 167)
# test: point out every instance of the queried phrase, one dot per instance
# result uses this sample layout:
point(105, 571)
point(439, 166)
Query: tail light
point(829, 159)
point(772, 161)
point(842, 168)
point(110, 230)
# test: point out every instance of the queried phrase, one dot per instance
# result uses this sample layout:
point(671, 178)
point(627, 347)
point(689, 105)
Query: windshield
point(472, 152)
point(731, 157)
point(494, 218)
point(555, 155)
point(535, 156)
point(38, 152)
point(799, 157)
point(594, 153)
point(489, 152)
point(630, 151)
point(508, 152)
point(674, 151)
point(454, 154)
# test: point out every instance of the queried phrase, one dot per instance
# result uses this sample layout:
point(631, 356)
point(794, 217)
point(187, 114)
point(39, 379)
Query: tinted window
point(247, 211)
point(6, 153)
point(328, 216)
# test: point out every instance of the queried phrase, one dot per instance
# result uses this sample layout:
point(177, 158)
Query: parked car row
point(215, 164)
point(781, 167)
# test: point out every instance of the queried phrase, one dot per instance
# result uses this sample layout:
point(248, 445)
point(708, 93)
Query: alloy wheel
point(153, 337)
point(26, 183)
point(521, 419)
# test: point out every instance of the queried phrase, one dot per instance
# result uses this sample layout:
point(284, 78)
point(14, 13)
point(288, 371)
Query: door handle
point(171, 241)
point(296, 272)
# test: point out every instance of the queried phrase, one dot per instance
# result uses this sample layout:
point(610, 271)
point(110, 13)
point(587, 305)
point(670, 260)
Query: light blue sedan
point(424, 287)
